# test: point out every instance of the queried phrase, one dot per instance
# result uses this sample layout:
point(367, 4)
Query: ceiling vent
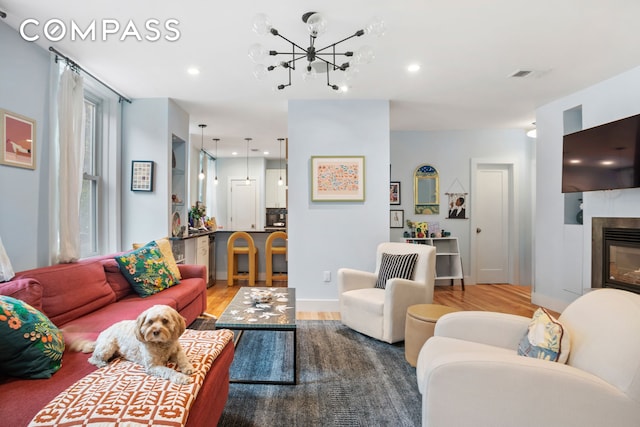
point(521, 73)
point(529, 73)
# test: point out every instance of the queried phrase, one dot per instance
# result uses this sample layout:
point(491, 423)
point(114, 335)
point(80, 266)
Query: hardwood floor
point(502, 298)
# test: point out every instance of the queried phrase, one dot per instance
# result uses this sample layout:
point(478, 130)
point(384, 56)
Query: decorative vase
point(580, 214)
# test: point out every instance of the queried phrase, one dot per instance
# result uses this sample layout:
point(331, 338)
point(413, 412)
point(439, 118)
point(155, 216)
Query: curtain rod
point(75, 65)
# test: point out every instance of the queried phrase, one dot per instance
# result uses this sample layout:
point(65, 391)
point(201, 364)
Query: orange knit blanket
point(121, 393)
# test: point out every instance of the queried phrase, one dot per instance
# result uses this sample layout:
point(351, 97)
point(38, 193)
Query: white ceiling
point(468, 49)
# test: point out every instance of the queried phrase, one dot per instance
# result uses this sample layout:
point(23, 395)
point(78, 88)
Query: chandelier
point(319, 60)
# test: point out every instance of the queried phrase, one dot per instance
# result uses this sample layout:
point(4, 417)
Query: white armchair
point(381, 313)
point(469, 373)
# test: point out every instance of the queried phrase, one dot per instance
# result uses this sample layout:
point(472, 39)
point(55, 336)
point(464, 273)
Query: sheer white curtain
point(6, 271)
point(69, 164)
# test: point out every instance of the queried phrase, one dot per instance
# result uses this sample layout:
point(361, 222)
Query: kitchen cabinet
point(275, 195)
point(196, 251)
point(448, 261)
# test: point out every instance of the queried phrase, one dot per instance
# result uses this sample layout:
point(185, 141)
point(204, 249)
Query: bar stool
point(232, 258)
point(270, 250)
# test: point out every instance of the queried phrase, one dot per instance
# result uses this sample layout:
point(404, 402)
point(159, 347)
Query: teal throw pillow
point(32, 346)
point(146, 270)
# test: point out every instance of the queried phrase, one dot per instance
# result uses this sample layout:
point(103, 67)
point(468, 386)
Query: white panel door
point(492, 225)
point(243, 207)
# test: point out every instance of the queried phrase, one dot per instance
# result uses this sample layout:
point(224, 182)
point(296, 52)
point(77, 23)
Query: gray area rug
point(344, 379)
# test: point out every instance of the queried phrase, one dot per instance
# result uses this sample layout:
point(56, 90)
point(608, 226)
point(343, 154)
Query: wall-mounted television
point(605, 157)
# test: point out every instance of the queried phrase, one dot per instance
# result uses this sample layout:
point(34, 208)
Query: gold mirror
point(426, 190)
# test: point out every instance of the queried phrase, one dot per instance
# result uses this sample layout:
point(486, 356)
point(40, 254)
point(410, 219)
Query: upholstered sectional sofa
point(85, 298)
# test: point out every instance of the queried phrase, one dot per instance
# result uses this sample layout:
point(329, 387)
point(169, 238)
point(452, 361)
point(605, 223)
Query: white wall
point(563, 251)
point(324, 236)
point(24, 193)
point(147, 128)
point(451, 152)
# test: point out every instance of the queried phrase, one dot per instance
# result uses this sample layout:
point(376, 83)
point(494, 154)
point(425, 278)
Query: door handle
point(478, 230)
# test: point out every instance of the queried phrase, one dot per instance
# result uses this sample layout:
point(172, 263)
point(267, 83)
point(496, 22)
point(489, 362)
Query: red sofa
point(87, 297)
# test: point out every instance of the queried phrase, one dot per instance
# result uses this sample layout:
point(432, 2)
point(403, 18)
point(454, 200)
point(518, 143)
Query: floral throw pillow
point(32, 346)
point(146, 270)
point(545, 338)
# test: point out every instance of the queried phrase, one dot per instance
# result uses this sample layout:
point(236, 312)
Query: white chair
point(381, 313)
point(470, 374)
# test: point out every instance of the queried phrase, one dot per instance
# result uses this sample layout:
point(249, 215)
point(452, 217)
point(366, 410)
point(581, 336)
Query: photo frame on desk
point(396, 219)
point(142, 175)
point(18, 135)
point(337, 178)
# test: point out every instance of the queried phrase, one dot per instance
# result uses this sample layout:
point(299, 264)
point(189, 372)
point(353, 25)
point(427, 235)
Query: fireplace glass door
point(623, 265)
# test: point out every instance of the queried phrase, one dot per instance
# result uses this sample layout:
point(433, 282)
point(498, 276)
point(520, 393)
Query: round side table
point(420, 324)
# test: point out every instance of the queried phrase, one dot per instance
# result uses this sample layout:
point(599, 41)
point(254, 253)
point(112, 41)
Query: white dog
point(151, 341)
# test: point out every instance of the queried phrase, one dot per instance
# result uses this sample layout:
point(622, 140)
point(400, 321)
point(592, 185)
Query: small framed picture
point(394, 193)
point(141, 175)
point(396, 219)
point(18, 135)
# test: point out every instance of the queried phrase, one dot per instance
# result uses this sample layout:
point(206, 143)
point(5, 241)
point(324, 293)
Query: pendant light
point(201, 174)
point(248, 181)
point(215, 180)
point(280, 181)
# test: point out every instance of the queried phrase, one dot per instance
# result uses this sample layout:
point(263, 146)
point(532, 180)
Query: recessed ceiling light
point(193, 71)
point(575, 161)
point(344, 88)
point(607, 162)
point(413, 68)
point(266, 153)
point(235, 153)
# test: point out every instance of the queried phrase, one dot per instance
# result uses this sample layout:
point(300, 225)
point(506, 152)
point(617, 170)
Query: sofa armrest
point(504, 390)
point(191, 271)
point(499, 329)
point(350, 279)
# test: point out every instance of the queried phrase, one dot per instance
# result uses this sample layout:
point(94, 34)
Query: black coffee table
point(279, 314)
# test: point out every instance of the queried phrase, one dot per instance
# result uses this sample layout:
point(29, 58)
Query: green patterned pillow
point(146, 270)
point(32, 346)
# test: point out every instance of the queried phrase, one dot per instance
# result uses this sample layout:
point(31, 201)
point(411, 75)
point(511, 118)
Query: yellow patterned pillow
point(165, 247)
point(545, 339)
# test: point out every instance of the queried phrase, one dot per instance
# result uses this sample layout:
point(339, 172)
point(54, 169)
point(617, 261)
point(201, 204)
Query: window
point(90, 196)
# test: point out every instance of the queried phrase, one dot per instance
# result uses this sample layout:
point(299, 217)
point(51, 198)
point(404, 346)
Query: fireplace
point(616, 253)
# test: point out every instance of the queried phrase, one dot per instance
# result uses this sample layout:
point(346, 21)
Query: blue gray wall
point(24, 193)
point(563, 251)
point(324, 236)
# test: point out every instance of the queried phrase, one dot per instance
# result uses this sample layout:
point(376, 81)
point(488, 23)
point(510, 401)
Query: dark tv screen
point(605, 157)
